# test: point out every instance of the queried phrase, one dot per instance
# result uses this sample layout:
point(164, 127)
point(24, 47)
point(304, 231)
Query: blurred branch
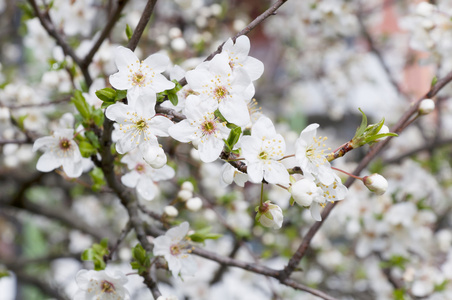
point(107, 29)
point(45, 287)
point(405, 120)
point(48, 25)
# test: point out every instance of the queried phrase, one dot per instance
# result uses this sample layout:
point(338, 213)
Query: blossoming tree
point(161, 178)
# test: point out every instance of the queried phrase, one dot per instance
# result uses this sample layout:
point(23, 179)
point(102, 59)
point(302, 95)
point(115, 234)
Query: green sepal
point(82, 106)
point(367, 134)
point(96, 254)
point(204, 234)
point(233, 138)
point(129, 32)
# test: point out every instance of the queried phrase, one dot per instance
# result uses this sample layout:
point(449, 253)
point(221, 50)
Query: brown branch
point(401, 124)
point(144, 20)
point(261, 18)
point(105, 33)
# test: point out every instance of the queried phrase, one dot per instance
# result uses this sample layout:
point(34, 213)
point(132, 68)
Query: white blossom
point(310, 154)
point(140, 79)
point(176, 251)
point(60, 149)
point(202, 128)
point(229, 92)
point(100, 285)
point(262, 152)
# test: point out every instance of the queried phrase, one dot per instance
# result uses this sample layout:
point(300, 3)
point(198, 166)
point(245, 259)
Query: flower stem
point(349, 174)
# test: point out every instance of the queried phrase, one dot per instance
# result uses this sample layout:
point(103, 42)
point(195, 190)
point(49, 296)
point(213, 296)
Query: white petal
point(251, 146)
point(235, 111)
point(120, 81)
point(47, 162)
point(176, 234)
point(160, 83)
point(157, 62)
point(255, 172)
point(130, 179)
point(147, 188)
point(72, 169)
point(315, 211)
point(210, 149)
point(44, 142)
point(159, 125)
point(125, 58)
point(276, 173)
point(182, 131)
point(263, 128)
point(254, 68)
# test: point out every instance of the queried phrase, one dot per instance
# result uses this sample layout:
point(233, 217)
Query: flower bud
point(170, 211)
point(194, 204)
point(187, 185)
point(376, 183)
point(304, 191)
point(153, 155)
point(269, 215)
point(184, 195)
point(426, 106)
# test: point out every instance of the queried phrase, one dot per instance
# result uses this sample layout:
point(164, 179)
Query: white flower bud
point(187, 185)
point(153, 155)
point(383, 129)
point(426, 106)
point(304, 191)
point(194, 204)
point(184, 195)
point(425, 9)
point(170, 211)
point(376, 183)
point(271, 215)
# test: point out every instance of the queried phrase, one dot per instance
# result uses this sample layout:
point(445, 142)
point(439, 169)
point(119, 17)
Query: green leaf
point(98, 178)
point(86, 149)
point(93, 139)
point(96, 254)
point(82, 106)
point(88, 254)
point(129, 32)
point(98, 117)
point(106, 94)
point(363, 125)
point(142, 259)
point(120, 94)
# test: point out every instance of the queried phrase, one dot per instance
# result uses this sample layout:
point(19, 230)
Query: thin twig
point(261, 18)
point(144, 20)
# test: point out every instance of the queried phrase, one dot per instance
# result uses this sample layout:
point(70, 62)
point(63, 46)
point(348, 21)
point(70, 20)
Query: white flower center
point(315, 152)
point(107, 287)
point(64, 148)
point(270, 150)
point(137, 124)
point(207, 126)
point(219, 88)
point(140, 168)
point(140, 74)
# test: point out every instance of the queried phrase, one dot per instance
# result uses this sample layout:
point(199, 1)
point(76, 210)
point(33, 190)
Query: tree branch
point(401, 124)
point(144, 20)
